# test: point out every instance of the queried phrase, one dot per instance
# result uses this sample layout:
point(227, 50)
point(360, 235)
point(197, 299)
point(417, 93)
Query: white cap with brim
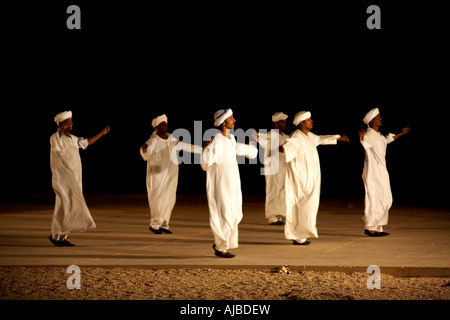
point(221, 115)
point(370, 115)
point(301, 116)
point(60, 117)
point(279, 116)
point(158, 120)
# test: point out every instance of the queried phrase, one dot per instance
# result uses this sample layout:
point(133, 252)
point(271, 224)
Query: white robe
point(162, 176)
point(223, 188)
point(378, 197)
point(71, 213)
point(274, 160)
point(303, 180)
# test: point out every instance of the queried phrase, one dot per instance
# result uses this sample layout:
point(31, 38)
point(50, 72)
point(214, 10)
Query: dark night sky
point(130, 63)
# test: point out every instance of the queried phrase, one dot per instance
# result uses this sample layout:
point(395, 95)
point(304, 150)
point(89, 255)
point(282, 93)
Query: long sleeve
point(83, 143)
point(247, 150)
point(365, 143)
point(390, 138)
point(207, 157)
point(145, 155)
point(292, 147)
point(328, 139)
point(56, 145)
point(323, 139)
point(371, 136)
point(148, 154)
point(262, 139)
point(192, 148)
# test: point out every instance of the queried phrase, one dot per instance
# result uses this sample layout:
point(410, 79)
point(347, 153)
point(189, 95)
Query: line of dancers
point(292, 175)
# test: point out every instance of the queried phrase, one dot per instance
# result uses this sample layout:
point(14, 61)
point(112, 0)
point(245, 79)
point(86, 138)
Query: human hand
point(106, 130)
point(362, 133)
point(343, 138)
point(406, 130)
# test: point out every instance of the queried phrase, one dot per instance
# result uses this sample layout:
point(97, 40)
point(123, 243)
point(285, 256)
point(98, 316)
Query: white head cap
point(60, 117)
point(221, 115)
point(301, 116)
point(279, 116)
point(158, 120)
point(370, 115)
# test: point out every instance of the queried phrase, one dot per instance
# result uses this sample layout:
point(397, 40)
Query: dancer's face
point(229, 122)
point(66, 125)
point(376, 122)
point(280, 125)
point(307, 124)
point(162, 127)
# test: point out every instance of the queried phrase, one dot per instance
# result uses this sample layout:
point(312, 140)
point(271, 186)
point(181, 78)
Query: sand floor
point(42, 283)
point(31, 269)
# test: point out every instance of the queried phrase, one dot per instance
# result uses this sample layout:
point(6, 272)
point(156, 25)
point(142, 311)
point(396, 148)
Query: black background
point(130, 62)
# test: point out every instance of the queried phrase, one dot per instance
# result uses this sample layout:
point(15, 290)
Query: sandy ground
point(50, 283)
point(131, 283)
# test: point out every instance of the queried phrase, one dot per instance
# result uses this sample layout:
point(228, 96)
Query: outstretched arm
point(104, 131)
point(404, 131)
point(343, 138)
point(247, 150)
point(192, 148)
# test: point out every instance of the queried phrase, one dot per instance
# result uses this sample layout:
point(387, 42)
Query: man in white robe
point(275, 169)
point(71, 213)
point(160, 152)
point(378, 196)
point(223, 184)
point(303, 179)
